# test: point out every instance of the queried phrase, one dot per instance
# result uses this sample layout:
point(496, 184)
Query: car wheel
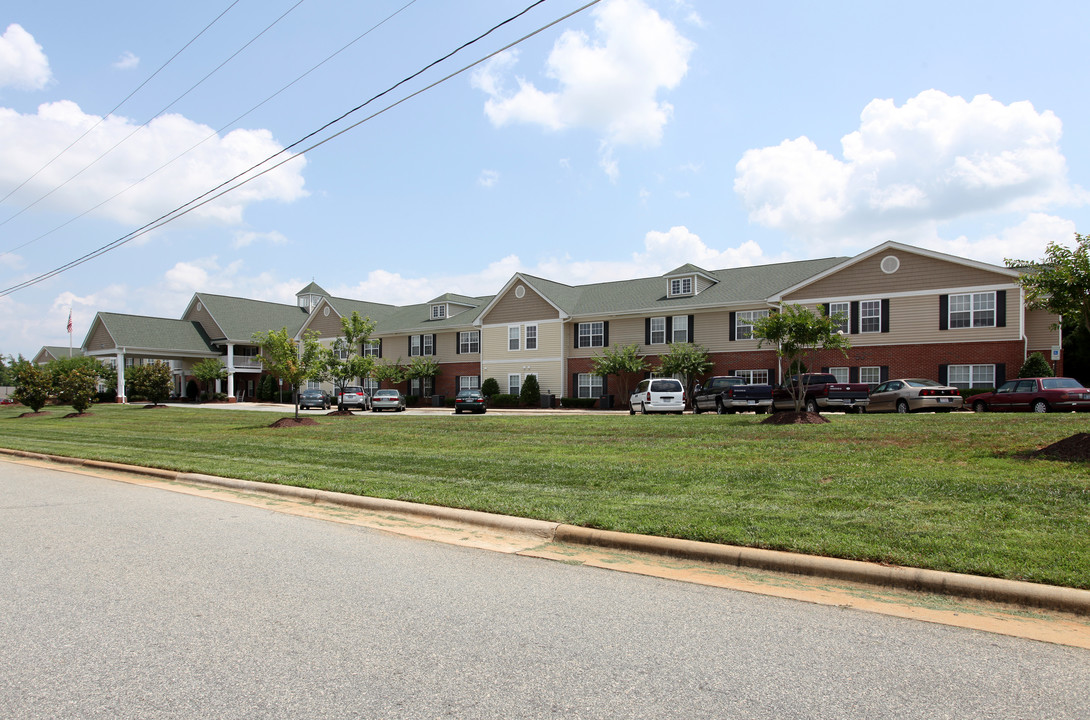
point(696, 408)
point(643, 409)
point(457, 411)
point(811, 406)
point(902, 407)
point(979, 407)
point(719, 409)
point(1040, 406)
point(631, 409)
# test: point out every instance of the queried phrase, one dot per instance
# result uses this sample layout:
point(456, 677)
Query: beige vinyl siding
point(494, 343)
point(100, 339)
point(915, 320)
point(327, 326)
point(712, 330)
point(702, 283)
point(1038, 333)
point(511, 309)
point(205, 319)
point(916, 273)
point(550, 374)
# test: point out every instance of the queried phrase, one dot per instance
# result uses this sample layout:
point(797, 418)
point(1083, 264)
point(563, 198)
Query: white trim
point(907, 293)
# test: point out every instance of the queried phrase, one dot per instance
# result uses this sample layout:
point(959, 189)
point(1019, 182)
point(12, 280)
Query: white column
point(230, 372)
point(121, 377)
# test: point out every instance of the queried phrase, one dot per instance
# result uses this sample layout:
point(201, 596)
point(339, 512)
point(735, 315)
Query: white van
point(657, 395)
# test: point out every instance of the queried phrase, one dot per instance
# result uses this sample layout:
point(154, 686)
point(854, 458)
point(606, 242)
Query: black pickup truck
point(726, 394)
point(821, 391)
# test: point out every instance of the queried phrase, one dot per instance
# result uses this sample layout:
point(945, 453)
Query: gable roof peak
point(687, 269)
point(312, 289)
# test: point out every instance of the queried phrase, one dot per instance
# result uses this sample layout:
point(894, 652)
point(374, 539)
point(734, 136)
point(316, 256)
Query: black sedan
point(313, 399)
point(469, 400)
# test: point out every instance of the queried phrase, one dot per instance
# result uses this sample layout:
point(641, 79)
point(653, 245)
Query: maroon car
point(1051, 394)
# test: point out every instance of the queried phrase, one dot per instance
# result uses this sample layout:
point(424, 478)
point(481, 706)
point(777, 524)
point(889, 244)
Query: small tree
point(490, 387)
point(283, 357)
point(32, 385)
point(798, 334)
point(530, 393)
point(390, 372)
point(343, 362)
point(1035, 366)
point(422, 367)
point(688, 360)
point(208, 371)
point(76, 387)
point(151, 380)
point(625, 362)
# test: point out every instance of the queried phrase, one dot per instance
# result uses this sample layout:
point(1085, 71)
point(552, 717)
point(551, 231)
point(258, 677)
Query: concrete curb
point(1049, 597)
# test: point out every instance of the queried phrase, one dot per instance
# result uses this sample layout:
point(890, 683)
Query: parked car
point(1051, 394)
point(729, 394)
point(821, 391)
point(657, 395)
point(353, 396)
point(471, 400)
point(313, 399)
point(914, 394)
point(388, 400)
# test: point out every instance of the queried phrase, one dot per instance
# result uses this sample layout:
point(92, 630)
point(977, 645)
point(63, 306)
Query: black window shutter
point(1000, 374)
point(458, 344)
point(605, 385)
point(885, 315)
point(380, 348)
point(1001, 308)
point(825, 370)
point(575, 385)
point(772, 376)
point(853, 321)
point(410, 346)
point(457, 383)
point(731, 329)
point(575, 332)
point(884, 375)
point(692, 325)
point(434, 344)
point(943, 374)
point(605, 334)
point(647, 331)
point(944, 313)
point(853, 374)
point(828, 309)
point(669, 329)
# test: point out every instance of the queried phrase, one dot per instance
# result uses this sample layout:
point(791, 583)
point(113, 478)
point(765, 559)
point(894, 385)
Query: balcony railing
point(246, 363)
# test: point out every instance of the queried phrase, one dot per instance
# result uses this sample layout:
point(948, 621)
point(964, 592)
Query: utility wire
point(214, 133)
point(148, 121)
point(223, 188)
point(128, 97)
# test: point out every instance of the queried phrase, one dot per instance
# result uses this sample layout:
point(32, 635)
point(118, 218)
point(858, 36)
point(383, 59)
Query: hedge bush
point(578, 403)
point(504, 400)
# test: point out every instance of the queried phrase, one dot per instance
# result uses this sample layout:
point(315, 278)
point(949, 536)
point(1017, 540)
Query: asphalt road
point(124, 601)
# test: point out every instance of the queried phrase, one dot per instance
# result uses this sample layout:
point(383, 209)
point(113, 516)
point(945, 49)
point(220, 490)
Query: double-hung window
point(680, 328)
point(514, 383)
point(592, 334)
point(371, 348)
point(514, 337)
point(871, 375)
point(429, 347)
point(590, 386)
point(469, 382)
point(840, 373)
point(414, 345)
point(469, 342)
point(531, 337)
point(972, 310)
point(658, 331)
point(743, 323)
point(438, 312)
point(844, 310)
point(753, 376)
point(971, 376)
point(870, 316)
point(681, 286)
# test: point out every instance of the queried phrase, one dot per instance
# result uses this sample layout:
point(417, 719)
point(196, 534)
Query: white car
point(657, 395)
point(388, 400)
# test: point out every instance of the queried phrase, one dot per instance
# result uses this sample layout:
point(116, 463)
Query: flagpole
point(69, 333)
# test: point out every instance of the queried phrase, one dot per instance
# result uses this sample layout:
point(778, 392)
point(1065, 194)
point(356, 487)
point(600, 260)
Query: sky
point(616, 141)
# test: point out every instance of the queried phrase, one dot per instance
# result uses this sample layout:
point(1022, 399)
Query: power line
point(222, 189)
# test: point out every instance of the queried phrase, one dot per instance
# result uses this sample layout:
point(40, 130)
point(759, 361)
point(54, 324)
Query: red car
point(1051, 394)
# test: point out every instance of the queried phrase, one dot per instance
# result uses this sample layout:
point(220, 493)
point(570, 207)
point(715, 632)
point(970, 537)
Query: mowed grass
point(949, 492)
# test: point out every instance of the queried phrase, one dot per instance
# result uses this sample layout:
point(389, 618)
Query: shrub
point(77, 388)
point(151, 380)
point(490, 387)
point(1035, 366)
point(412, 400)
point(191, 390)
point(32, 386)
point(573, 402)
point(503, 400)
point(106, 396)
point(530, 394)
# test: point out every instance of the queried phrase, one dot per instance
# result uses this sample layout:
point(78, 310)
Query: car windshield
point(311, 393)
point(357, 390)
point(922, 383)
point(1060, 384)
point(469, 393)
point(386, 393)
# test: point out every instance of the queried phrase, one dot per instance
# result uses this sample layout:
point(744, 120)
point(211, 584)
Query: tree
point(76, 387)
point(798, 334)
point(688, 360)
point(422, 367)
point(32, 385)
point(490, 387)
point(343, 362)
point(283, 357)
point(151, 380)
point(1035, 366)
point(1060, 283)
point(625, 362)
point(391, 372)
point(530, 393)
point(209, 370)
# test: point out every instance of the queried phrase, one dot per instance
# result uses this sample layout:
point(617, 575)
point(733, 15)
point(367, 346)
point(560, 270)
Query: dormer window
point(438, 312)
point(681, 286)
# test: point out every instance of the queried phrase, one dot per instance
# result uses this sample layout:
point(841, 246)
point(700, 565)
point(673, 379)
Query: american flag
point(69, 322)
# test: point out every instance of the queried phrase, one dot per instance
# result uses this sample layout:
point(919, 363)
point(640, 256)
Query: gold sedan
point(913, 395)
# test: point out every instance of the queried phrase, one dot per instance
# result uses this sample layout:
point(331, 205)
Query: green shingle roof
point(152, 333)
point(240, 318)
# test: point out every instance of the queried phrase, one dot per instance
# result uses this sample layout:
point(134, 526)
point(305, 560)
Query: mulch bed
point(152, 407)
point(340, 413)
point(293, 422)
point(77, 415)
point(794, 418)
point(1076, 447)
point(35, 414)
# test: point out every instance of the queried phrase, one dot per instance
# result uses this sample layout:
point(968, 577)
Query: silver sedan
point(912, 395)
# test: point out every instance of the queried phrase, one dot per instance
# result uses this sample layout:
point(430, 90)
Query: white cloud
point(245, 239)
point(32, 140)
point(609, 84)
point(488, 178)
point(23, 65)
point(1025, 241)
point(934, 159)
point(127, 61)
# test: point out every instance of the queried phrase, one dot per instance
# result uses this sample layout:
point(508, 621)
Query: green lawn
point(948, 492)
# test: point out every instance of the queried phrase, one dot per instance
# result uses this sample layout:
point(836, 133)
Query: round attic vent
point(325, 311)
point(198, 307)
point(520, 291)
point(890, 264)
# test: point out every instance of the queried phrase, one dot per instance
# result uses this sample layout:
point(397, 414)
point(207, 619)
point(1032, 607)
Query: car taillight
point(682, 397)
point(928, 393)
point(648, 396)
